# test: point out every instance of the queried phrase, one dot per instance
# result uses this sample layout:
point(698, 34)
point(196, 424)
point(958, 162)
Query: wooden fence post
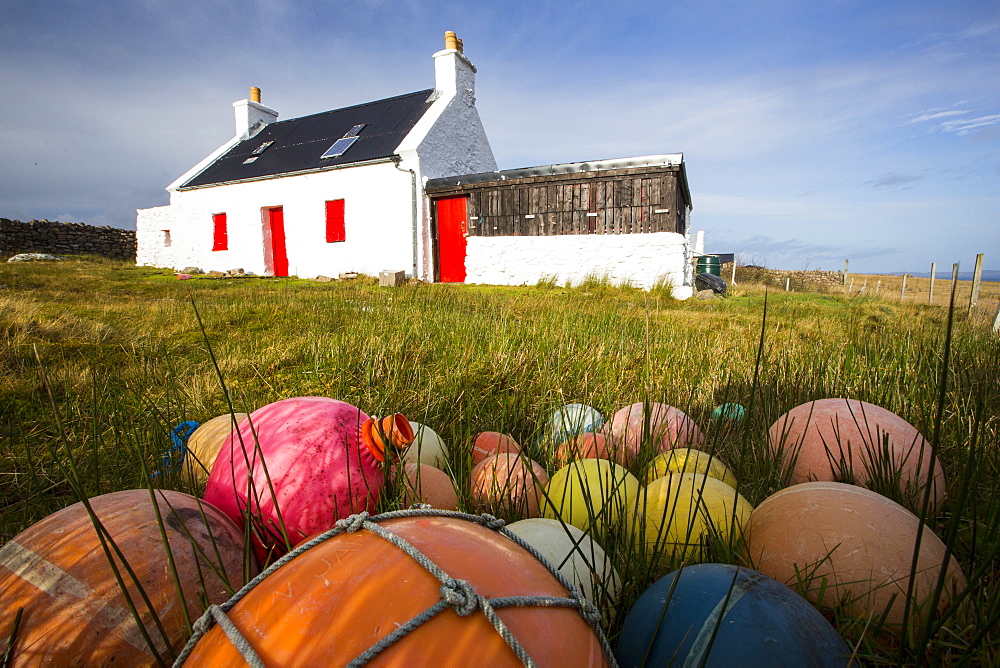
point(786, 283)
point(996, 322)
point(733, 280)
point(930, 299)
point(954, 281)
point(846, 263)
point(878, 285)
point(902, 290)
point(977, 277)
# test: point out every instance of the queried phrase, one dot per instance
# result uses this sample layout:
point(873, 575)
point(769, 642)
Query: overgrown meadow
point(99, 360)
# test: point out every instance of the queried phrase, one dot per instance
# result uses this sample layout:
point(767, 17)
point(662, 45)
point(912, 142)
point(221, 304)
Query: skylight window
point(263, 147)
point(340, 146)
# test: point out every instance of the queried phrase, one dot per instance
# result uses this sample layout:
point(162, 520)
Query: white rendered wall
point(377, 220)
point(638, 259)
point(448, 140)
point(149, 235)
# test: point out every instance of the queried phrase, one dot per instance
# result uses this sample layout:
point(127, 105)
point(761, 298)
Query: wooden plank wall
point(620, 205)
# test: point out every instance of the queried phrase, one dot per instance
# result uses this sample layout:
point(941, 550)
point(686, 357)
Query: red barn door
point(452, 231)
point(279, 257)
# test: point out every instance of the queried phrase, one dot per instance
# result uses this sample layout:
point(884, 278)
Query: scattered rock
point(322, 279)
point(347, 275)
point(705, 294)
point(236, 272)
point(191, 270)
point(34, 257)
point(216, 274)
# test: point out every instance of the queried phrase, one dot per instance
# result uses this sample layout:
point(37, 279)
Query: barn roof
point(672, 161)
point(298, 144)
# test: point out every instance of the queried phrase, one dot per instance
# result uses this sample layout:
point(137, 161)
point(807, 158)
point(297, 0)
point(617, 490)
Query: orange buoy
point(582, 446)
point(492, 443)
point(663, 426)
point(352, 590)
point(75, 612)
point(854, 441)
point(430, 485)
point(846, 545)
point(204, 445)
point(508, 483)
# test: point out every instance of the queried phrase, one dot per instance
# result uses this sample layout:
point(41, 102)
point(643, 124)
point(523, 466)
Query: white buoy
point(581, 560)
point(427, 448)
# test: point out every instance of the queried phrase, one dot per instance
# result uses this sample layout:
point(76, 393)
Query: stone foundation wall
point(45, 236)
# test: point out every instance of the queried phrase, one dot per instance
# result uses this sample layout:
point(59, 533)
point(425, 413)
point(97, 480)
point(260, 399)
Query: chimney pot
point(255, 94)
point(461, 45)
point(450, 40)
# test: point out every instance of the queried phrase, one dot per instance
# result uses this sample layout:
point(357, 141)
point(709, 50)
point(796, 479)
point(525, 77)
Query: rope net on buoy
point(456, 594)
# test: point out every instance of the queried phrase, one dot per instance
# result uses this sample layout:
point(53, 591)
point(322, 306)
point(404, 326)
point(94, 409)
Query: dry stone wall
point(45, 236)
point(812, 280)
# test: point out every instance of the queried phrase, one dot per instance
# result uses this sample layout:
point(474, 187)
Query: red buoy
point(490, 443)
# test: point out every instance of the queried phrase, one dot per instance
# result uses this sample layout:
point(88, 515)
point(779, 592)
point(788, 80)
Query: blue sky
point(812, 131)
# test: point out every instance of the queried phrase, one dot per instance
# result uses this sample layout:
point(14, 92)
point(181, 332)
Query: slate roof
point(299, 142)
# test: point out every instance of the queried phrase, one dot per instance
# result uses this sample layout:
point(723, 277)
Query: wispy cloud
point(893, 180)
point(936, 115)
point(965, 126)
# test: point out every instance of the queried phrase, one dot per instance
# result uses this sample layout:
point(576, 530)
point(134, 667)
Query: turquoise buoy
point(733, 412)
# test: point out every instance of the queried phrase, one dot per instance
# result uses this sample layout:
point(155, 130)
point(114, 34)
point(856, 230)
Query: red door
point(452, 231)
point(279, 258)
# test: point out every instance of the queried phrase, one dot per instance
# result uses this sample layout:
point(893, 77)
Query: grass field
point(127, 359)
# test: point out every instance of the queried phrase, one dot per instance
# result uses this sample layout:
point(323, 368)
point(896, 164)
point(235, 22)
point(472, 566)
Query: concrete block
point(391, 278)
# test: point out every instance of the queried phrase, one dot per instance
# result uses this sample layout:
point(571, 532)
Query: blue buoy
point(723, 615)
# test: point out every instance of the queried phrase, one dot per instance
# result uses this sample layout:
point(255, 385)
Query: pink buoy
point(490, 443)
point(321, 457)
point(667, 428)
point(430, 485)
point(582, 446)
point(509, 481)
point(846, 439)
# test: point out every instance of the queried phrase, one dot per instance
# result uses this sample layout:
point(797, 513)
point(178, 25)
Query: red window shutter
point(221, 237)
point(335, 221)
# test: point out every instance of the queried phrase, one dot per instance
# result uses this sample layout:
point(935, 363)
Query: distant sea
point(988, 274)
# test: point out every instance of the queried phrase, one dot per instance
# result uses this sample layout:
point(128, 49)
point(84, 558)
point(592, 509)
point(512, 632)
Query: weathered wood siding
point(608, 202)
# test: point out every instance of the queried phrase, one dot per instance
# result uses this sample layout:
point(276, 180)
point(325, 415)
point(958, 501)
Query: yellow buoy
point(682, 511)
point(689, 460)
point(206, 441)
point(590, 494)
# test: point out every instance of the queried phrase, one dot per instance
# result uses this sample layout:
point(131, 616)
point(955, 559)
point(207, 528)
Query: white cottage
point(410, 183)
point(323, 194)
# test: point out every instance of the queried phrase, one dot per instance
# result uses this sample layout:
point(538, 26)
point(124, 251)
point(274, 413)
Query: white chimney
point(454, 74)
point(250, 113)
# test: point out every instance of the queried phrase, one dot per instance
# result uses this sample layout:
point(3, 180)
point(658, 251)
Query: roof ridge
point(356, 106)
